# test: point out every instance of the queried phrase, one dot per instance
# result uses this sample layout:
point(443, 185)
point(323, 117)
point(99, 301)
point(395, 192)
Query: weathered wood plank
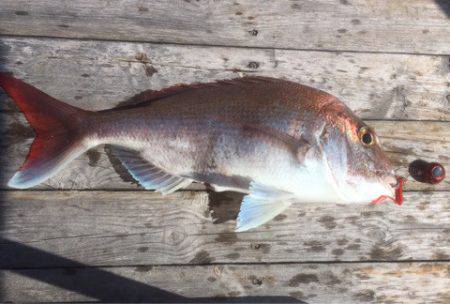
point(404, 141)
point(310, 283)
point(134, 228)
point(413, 26)
point(98, 75)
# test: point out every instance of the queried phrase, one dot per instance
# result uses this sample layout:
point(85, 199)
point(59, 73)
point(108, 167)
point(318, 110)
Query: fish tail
point(60, 132)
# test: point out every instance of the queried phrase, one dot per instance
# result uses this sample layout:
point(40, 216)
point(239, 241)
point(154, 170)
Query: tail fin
point(58, 127)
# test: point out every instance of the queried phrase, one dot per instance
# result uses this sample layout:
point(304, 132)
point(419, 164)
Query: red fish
point(275, 140)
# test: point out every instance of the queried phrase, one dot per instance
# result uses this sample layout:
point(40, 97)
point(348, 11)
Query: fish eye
point(366, 137)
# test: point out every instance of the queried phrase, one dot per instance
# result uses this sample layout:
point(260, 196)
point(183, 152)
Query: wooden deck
point(92, 234)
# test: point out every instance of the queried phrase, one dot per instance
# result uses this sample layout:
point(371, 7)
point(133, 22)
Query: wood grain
point(282, 283)
point(412, 26)
point(98, 75)
point(121, 228)
point(404, 142)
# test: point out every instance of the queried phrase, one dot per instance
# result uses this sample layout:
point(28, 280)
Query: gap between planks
point(331, 263)
point(203, 45)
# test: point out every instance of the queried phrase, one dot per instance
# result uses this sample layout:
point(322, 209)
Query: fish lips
point(395, 186)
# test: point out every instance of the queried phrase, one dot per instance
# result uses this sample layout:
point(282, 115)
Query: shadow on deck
point(103, 285)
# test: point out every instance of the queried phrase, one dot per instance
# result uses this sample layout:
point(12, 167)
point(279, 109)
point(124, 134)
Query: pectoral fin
point(149, 176)
point(260, 206)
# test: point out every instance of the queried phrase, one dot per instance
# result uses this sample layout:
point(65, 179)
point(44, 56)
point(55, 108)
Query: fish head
point(371, 171)
point(360, 169)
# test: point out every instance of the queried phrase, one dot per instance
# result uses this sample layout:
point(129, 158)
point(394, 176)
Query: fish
point(276, 141)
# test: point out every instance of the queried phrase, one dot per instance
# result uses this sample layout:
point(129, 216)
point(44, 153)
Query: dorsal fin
point(145, 97)
point(148, 96)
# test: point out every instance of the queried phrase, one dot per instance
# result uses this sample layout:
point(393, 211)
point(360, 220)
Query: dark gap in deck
point(3, 156)
point(169, 43)
point(77, 265)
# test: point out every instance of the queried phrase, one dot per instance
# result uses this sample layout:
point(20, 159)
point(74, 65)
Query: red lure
point(398, 193)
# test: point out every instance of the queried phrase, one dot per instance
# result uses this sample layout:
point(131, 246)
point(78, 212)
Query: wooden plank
point(140, 228)
point(283, 283)
point(404, 141)
point(98, 75)
point(412, 26)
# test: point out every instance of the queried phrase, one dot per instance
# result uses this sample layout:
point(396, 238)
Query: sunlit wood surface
point(92, 234)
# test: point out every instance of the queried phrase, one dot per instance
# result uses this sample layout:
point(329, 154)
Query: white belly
point(308, 182)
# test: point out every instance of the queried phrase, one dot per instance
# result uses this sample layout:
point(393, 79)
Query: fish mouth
point(395, 182)
point(392, 180)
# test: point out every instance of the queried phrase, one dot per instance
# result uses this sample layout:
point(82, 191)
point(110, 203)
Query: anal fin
point(260, 206)
point(149, 176)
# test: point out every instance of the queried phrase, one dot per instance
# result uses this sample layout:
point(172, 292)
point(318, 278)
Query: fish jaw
point(351, 189)
point(361, 190)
